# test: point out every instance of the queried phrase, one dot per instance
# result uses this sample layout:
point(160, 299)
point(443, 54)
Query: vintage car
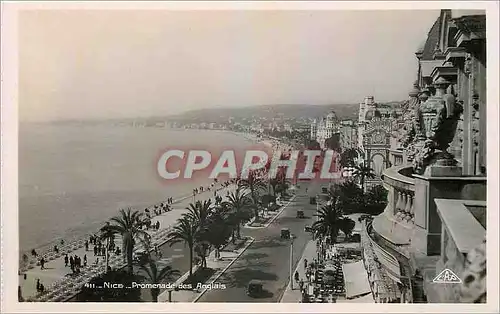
point(285, 233)
point(254, 288)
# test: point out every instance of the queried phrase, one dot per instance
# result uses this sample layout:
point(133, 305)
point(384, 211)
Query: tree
point(273, 182)
point(221, 226)
point(267, 199)
point(350, 196)
point(376, 200)
point(240, 205)
point(328, 223)
point(255, 184)
point(334, 143)
point(108, 236)
point(348, 157)
point(128, 224)
point(362, 172)
point(186, 230)
point(156, 276)
point(200, 212)
point(347, 225)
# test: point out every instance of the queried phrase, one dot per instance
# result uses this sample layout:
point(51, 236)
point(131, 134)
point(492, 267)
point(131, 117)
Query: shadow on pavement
point(241, 278)
point(267, 243)
point(253, 256)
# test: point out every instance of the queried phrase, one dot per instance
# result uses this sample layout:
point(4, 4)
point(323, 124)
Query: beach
point(73, 179)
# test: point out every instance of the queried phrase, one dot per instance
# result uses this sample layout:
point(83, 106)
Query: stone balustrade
point(401, 196)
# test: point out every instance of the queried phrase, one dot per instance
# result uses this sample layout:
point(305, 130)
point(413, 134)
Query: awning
point(356, 279)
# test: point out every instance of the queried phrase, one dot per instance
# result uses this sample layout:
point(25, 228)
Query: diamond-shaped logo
point(447, 276)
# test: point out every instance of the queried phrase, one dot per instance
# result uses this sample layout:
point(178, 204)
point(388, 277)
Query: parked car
point(285, 233)
point(254, 288)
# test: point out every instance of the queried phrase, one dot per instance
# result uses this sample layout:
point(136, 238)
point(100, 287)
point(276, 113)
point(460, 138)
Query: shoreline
point(69, 240)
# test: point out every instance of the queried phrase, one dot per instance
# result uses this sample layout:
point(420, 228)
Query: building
point(348, 134)
point(374, 130)
point(434, 223)
point(325, 128)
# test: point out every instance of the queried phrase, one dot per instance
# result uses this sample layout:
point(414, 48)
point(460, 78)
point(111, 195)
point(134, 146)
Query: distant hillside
point(343, 111)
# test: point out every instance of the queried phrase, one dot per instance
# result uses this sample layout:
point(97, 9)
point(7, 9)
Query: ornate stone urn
point(437, 119)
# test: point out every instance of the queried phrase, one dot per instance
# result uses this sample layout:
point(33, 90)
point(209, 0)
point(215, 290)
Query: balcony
point(463, 229)
point(395, 224)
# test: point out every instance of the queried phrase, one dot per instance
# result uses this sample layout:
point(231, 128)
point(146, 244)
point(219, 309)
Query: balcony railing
point(401, 196)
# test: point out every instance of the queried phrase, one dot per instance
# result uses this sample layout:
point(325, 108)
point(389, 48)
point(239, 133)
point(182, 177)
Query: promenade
point(59, 281)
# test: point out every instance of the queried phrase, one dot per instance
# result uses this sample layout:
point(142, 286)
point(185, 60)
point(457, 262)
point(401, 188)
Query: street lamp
point(292, 237)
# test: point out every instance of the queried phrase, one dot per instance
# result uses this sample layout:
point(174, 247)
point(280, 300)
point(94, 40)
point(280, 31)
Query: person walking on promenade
point(72, 263)
point(62, 241)
point(56, 249)
point(42, 288)
point(42, 263)
point(86, 245)
point(85, 260)
point(95, 250)
point(38, 285)
point(66, 260)
point(297, 276)
point(305, 263)
point(34, 253)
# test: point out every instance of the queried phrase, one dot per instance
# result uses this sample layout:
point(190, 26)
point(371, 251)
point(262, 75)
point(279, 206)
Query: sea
point(73, 178)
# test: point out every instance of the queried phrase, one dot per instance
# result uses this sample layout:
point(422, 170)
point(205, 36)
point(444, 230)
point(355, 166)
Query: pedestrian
point(86, 245)
point(42, 263)
point(85, 260)
point(72, 263)
point(34, 253)
point(38, 284)
point(305, 263)
point(62, 241)
point(66, 260)
point(297, 276)
point(56, 249)
point(42, 288)
point(95, 250)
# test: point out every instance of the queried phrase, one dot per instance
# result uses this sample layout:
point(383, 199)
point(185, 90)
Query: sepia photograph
point(231, 154)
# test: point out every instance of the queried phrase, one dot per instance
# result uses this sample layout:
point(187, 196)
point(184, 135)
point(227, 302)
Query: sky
point(95, 64)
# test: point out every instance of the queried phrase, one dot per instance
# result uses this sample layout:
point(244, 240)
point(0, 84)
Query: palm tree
point(347, 225)
point(155, 276)
point(348, 157)
point(221, 227)
point(274, 183)
point(362, 172)
point(328, 223)
point(186, 230)
point(128, 224)
point(108, 236)
point(240, 204)
point(200, 212)
point(255, 184)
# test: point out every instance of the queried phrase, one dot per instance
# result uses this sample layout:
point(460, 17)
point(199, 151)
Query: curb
point(224, 270)
point(275, 216)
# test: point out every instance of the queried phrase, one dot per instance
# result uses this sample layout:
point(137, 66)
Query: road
point(268, 258)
